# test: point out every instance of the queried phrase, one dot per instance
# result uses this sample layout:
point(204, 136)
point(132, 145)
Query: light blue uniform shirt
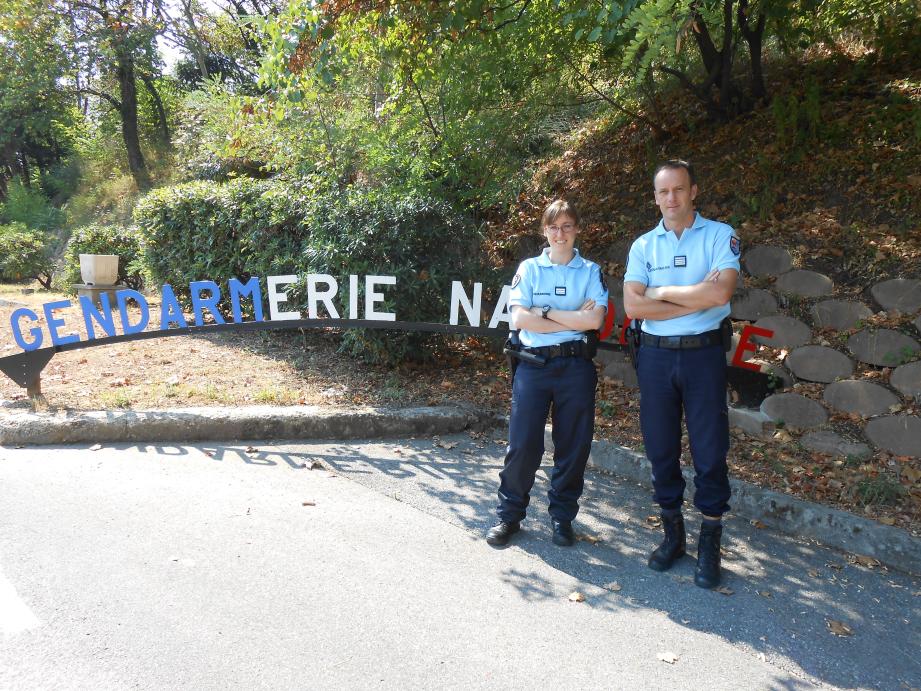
point(660, 258)
point(540, 282)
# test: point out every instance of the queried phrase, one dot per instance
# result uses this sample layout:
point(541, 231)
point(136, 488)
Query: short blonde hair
point(560, 207)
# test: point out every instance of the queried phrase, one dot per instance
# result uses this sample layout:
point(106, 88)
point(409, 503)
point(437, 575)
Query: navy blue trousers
point(693, 380)
point(567, 384)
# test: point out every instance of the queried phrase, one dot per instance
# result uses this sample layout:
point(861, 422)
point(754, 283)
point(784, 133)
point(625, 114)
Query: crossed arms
point(588, 317)
point(668, 302)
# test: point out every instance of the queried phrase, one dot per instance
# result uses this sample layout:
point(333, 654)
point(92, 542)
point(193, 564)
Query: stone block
point(862, 397)
point(752, 304)
point(753, 422)
point(826, 441)
point(906, 379)
point(806, 284)
point(902, 294)
point(619, 368)
point(788, 332)
point(839, 314)
point(794, 410)
point(898, 434)
point(819, 363)
point(882, 347)
point(767, 260)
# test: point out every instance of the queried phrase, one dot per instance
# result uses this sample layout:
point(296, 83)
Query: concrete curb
point(846, 531)
point(216, 424)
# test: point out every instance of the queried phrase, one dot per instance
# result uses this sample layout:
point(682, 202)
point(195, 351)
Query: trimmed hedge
point(103, 239)
point(423, 243)
point(244, 228)
point(207, 230)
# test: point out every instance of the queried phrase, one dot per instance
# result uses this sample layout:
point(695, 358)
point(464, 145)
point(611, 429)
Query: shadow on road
point(782, 595)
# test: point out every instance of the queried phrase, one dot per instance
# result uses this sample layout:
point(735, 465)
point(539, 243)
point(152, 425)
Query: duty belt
point(707, 338)
point(567, 349)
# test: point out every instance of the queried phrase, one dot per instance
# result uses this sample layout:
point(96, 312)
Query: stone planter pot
point(99, 269)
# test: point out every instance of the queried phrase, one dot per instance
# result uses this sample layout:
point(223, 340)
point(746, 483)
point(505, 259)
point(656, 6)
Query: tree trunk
point(754, 39)
point(24, 172)
point(726, 90)
point(165, 139)
point(129, 118)
point(199, 43)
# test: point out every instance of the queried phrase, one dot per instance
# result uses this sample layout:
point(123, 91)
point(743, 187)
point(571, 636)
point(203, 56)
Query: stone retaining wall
point(857, 358)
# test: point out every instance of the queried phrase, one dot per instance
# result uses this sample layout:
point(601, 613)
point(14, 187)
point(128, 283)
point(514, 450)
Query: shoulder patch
point(735, 245)
point(516, 280)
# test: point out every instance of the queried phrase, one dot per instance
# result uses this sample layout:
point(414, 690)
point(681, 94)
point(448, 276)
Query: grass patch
point(882, 490)
point(277, 395)
point(115, 399)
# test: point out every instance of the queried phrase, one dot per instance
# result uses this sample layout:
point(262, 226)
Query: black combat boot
point(563, 534)
point(501, 533)
point(672, 546)
point(708, 556)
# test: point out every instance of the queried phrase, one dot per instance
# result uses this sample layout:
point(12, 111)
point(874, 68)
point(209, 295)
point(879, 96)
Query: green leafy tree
point(33, 106)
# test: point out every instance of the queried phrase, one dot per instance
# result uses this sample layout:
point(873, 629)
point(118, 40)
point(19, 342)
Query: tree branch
point(610, 101)
point(111, 99)
point(425, 107)
point(504, 24)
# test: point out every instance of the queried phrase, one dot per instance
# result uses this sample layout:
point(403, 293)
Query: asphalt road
point(216, 567)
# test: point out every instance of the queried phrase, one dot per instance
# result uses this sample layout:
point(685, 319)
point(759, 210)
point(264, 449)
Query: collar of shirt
point(577, 262)
point(699, 222)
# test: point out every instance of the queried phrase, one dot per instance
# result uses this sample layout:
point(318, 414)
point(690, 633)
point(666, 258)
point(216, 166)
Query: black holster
point(633, 335)
point(726, 334)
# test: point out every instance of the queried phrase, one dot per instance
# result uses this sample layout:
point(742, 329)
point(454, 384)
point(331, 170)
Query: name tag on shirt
point(681, 260)
point(560, 290)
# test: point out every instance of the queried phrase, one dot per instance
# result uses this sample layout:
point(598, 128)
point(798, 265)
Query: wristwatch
point(544, 311)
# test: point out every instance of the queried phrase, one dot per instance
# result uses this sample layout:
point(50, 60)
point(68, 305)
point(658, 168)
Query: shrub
point(103, 239)
point(29, 207)
point(244, 228)
point(24, 254)
point(208, 230)
point(423, 243)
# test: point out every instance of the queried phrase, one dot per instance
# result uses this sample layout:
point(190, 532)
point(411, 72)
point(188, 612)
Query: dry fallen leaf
point(576, 596)
point(759, 525)
point(887, 520)
point(765, 593)
point(308, 502)
point(838, 628)
point(653, 521)
point(251, 449)
point(613, 586)
point(591, 539)
point(668, 657)
point(725, 590)
point(813, 573)
point(869, 562)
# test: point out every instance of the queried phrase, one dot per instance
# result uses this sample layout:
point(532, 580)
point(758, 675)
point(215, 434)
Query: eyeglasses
point(566, 228)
